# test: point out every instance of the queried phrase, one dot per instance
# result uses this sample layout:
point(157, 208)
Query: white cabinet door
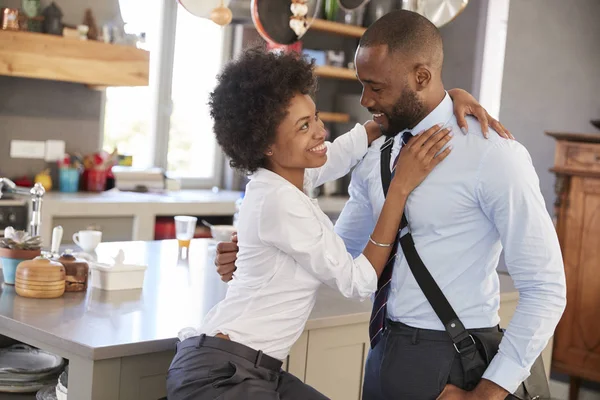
point(296, 361)
point(335, 360)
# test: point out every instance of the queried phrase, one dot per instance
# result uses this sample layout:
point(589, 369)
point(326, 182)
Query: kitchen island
point(119, 344)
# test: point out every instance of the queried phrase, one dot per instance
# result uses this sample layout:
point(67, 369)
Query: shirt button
point(393, 290)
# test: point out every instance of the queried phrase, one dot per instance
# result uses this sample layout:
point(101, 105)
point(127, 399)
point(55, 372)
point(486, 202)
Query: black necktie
point(377, 321)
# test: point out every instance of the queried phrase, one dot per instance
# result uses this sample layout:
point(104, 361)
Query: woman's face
point(300, 138)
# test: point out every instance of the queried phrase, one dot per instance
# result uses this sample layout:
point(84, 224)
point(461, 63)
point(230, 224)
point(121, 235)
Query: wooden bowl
point(40, 278)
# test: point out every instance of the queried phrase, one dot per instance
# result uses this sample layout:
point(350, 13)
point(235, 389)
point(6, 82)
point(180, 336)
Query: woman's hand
point(373, 131)
point(419, 157)
point(465, 104)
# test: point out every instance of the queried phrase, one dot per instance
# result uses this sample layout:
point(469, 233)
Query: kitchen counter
point(104, 334)
point(95, 329)
point(177, 293)
point(139, 210)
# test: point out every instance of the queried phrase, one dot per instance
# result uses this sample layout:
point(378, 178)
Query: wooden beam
point(327, 71)
point(337, 28)
point(41, 56)
point(334, 117)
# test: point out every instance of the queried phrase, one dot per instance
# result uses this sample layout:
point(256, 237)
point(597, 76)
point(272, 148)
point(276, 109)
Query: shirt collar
point(440, 115)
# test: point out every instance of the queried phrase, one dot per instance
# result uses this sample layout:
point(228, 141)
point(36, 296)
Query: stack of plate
point(61, 386)
point(57, 391)
point(46, 393)
point(25, 369)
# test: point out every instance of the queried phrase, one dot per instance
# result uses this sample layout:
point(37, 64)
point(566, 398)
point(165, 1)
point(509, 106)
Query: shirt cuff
point(505, 373)
point(367, 285)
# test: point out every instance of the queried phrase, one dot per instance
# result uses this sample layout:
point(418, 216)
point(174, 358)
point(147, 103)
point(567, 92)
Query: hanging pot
point(439, 12)
point(272, 20)
point(351, 12)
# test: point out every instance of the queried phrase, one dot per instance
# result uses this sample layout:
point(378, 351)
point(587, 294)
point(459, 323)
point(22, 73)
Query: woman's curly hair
point(251, 100)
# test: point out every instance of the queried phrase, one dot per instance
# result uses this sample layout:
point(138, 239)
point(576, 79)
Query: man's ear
point(422, 77)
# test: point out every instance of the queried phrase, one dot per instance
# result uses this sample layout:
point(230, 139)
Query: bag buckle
point(467, 347)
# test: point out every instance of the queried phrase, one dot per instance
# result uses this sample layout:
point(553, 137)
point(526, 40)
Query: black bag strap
point(463, 341)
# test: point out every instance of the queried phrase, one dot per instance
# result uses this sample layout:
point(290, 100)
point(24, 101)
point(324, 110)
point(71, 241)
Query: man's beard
point(408, 111)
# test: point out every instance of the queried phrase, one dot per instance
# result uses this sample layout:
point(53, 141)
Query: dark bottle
point(53, 20)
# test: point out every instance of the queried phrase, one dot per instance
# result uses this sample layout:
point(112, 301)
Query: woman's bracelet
point(380, 244)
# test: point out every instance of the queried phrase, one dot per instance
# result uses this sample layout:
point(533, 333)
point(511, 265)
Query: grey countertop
point(177, 292)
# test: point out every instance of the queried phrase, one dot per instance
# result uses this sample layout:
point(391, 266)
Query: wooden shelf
point(334, 117)
point(327, 71)
point(40, 56)
point(322, 25)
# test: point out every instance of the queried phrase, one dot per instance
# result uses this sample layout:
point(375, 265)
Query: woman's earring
point(270, 152)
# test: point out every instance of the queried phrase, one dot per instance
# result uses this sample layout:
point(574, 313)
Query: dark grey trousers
point(200, 372)
point(411, 364)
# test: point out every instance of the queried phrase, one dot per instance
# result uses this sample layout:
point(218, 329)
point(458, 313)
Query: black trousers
point(412, 364)
point(212, 368)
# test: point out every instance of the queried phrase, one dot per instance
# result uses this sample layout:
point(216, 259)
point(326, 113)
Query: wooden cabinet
point(577, 211)
point(331, 360)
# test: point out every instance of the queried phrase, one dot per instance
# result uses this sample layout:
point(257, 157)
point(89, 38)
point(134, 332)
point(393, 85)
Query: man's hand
point(452, 392)
point(485, 390)
point(466, 104)
point(225, 259)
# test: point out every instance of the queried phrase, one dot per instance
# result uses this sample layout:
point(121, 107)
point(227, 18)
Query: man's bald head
point(399, 64)
point(409, 34)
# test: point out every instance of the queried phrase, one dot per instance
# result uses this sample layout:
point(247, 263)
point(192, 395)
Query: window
point(493, 56)
point(167, 124)
point(197, 61)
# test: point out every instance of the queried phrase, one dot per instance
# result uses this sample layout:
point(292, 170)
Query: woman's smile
point(320, 149)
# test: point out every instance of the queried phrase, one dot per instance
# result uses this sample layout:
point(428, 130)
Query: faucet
point(36, 194)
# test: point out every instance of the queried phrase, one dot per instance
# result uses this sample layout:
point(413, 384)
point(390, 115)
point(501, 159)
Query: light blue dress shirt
point(484, 198)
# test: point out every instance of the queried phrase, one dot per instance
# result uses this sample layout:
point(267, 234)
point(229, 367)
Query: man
point(485, 197)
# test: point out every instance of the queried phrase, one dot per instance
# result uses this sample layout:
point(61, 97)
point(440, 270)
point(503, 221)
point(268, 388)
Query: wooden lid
point(41, 270)
point(74, 265)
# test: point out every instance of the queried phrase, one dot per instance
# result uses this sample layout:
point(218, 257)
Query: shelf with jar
point(37, 44)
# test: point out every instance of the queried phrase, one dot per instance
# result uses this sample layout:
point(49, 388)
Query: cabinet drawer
point(579, 156)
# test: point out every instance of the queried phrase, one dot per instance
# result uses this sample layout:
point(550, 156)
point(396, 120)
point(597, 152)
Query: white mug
point(87, 240)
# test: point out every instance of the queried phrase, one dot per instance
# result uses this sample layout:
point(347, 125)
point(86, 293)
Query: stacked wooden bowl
point(40, 278)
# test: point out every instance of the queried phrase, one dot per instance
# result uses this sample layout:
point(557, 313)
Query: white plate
point(46, 393)
point(29, 387)
point(9, 378)
point(23, 359)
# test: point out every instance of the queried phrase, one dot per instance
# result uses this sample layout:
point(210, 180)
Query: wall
point(463, 48)
point(41, 110)
point(32, 109)
point(551, 76)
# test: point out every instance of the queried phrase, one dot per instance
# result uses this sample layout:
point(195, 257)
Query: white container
point(222, 233)
point(119, 276)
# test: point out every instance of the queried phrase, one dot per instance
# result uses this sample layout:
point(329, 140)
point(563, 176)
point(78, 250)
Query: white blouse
point(287, 248)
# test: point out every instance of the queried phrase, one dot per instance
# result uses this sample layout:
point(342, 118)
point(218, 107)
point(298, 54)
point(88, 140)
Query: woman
point(266, 122)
